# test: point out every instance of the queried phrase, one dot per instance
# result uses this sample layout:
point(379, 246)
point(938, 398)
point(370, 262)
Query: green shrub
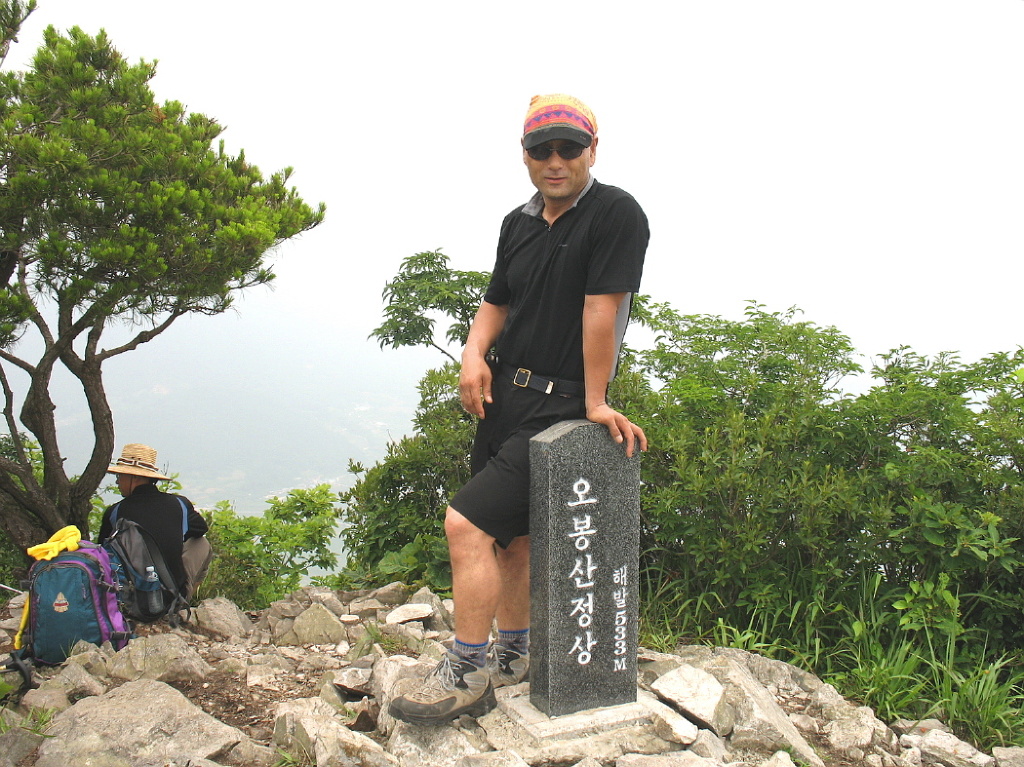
point(258, 560)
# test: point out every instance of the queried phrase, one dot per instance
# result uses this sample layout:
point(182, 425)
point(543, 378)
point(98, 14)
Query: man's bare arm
point(599, 313)
point(475, 378)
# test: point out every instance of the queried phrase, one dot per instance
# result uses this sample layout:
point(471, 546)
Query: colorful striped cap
point(558, 116)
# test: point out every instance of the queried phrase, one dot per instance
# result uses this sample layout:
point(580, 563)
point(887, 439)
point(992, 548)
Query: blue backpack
point(146, 590)
point(72, 596)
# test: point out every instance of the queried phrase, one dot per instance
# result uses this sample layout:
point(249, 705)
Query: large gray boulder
point(223, 618)
point(943, 748)
point(310, 726)
point(164, 657)
point(760, 723)
point(429, 746)
point(699, 695)
point(145, 722)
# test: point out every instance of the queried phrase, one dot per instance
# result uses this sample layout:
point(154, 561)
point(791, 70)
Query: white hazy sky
point(859, 159)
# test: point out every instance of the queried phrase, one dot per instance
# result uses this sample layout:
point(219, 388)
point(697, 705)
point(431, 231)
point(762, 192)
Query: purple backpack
point(71, 597)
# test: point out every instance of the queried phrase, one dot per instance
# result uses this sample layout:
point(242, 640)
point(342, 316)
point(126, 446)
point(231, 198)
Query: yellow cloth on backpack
point(65, 539)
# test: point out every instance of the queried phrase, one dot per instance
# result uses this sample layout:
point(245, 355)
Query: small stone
point(409, 612)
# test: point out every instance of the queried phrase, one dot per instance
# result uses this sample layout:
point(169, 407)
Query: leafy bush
point(259, 559)
point(863, 536)
point(768, 486)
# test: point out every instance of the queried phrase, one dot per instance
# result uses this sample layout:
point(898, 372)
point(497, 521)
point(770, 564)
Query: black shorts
point(497, 498)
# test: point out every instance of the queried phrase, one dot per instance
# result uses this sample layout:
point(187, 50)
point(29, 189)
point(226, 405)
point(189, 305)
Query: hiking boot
point(455, 687)
point(507, 666)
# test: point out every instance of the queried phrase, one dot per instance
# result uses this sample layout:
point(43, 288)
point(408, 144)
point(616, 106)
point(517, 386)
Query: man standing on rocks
point(542, 349)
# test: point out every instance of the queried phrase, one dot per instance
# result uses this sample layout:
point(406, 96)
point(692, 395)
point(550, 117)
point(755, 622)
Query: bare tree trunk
point(88, 371)
point(20, 526)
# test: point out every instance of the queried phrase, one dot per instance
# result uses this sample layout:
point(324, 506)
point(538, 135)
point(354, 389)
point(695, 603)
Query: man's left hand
point(620, 427)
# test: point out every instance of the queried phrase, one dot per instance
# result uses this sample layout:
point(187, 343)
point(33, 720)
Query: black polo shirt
point(544, 273)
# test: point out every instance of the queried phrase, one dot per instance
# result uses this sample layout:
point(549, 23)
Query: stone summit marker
point(584, 569)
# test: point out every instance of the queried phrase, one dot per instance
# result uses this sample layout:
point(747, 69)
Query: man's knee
point(196, 555)
point(458, 526)
point(459, 529)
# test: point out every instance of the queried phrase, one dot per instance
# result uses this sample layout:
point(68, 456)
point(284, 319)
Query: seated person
point(187, 556)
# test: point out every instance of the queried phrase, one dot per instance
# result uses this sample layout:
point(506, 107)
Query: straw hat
point(139, 460)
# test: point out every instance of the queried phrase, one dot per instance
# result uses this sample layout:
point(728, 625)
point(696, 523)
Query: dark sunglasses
point(566, 151)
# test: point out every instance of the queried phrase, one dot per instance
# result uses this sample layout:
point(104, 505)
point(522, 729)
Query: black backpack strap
point(20, 661)
point(179, 605)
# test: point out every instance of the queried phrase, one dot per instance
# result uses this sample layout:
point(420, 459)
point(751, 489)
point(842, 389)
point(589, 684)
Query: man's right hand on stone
point(620, 428)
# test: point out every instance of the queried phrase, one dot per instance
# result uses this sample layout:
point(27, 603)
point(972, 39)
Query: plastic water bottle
point(154, 596)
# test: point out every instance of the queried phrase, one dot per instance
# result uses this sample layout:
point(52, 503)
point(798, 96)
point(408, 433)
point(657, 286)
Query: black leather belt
point(530, 380)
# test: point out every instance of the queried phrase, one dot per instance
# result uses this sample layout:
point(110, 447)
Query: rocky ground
point(226, 697)
point(307, 682)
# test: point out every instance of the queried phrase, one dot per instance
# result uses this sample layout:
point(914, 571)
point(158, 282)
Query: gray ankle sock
point(474, 653)
point(515, 640)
